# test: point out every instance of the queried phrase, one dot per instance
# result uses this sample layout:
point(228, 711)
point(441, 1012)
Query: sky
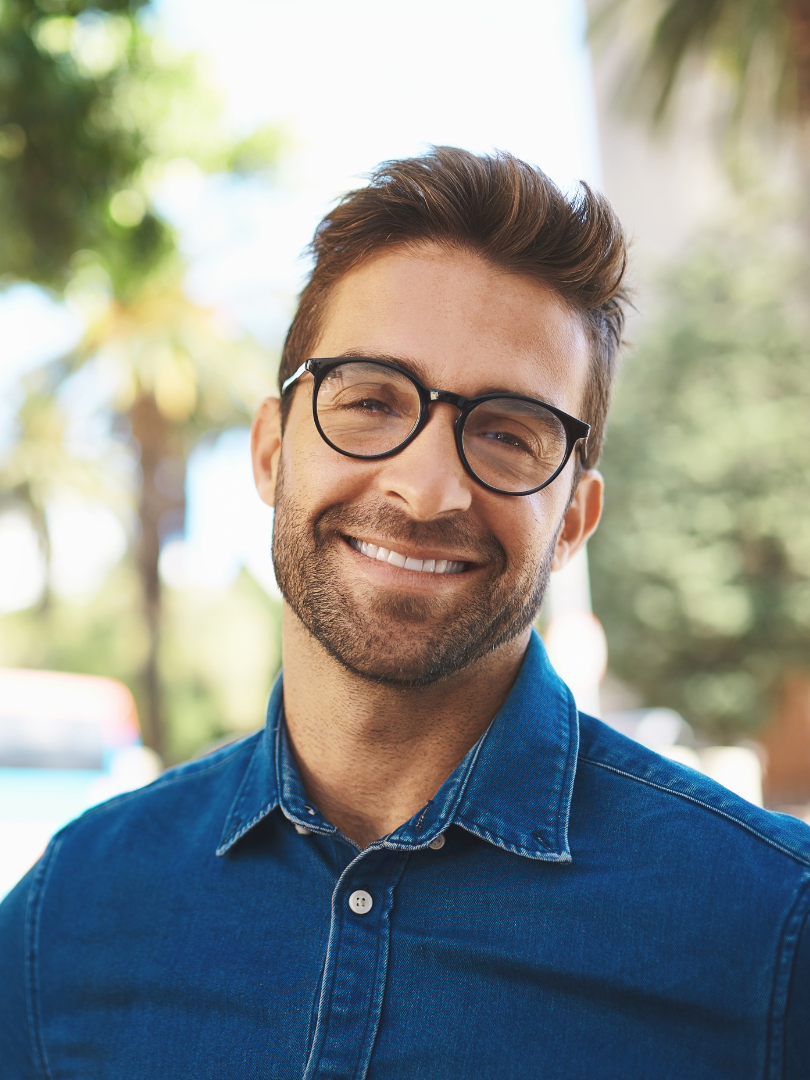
point(351, 85)
point(357, 83)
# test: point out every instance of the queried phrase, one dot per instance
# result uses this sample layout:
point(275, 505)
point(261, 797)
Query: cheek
point(529, 529)
point(315, 474)
point(305, 456)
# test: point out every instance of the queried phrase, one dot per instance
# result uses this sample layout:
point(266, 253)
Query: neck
point(371, 756)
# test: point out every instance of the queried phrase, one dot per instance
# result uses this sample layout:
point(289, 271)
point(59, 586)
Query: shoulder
point(177, 818)
point(646, 782)
point(730, 881)
point(100, 874)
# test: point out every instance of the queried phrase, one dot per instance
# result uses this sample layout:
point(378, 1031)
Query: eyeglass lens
point(366, 409)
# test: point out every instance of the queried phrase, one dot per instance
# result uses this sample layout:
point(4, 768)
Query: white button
point(438, 843)
point(302, 830)
point(360, 902)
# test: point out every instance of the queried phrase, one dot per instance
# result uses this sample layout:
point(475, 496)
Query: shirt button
point(438, 843)
point(360, 902)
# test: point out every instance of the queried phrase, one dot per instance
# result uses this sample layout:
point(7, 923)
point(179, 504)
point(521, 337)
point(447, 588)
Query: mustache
point(454, 532)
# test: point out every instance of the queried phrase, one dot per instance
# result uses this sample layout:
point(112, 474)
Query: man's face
point(459, 325)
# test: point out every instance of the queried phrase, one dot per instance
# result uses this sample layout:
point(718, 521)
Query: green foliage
point(92, 106)
point(102, 636)
point(220, 653)
point(758, 46)
point(67, 150)
point(701, 567)
point(95, 108)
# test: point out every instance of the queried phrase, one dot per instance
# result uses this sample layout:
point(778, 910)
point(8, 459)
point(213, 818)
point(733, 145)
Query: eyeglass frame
point(319, 367)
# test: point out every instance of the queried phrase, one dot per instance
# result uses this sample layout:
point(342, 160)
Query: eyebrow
point(415, 368)
point(406, 362)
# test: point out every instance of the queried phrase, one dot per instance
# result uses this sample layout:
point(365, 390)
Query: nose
point(427, 476)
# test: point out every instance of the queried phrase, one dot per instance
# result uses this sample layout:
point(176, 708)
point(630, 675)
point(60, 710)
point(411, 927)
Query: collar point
point(519, 843)
point(543, 854)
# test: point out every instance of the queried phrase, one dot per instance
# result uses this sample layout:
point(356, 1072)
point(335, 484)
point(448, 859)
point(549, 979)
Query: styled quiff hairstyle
point(509, 213)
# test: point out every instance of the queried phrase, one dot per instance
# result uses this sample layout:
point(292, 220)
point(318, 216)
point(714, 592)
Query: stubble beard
point(399, 640)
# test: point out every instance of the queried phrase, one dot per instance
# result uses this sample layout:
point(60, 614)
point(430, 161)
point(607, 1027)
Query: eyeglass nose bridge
point(458, 401)
point(447, 398)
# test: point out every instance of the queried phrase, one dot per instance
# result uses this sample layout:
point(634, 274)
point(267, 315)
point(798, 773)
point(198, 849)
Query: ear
point(265, 448)
point(581, 518)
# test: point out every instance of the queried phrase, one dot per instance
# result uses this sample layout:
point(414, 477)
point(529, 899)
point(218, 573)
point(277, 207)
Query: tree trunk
point(154, 436)
point(798, 16)
point(39, 520)
point(786, 740)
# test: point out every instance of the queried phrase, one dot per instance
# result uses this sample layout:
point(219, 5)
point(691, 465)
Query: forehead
point(461, 324)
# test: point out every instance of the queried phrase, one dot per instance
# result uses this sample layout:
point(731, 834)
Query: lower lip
point(384, 571)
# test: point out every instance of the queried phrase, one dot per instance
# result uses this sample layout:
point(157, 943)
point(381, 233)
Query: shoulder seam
point(33, 909)
point(777, 1013)
point(705, 805)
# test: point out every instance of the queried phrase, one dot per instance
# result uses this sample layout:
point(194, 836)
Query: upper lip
point(412, 552)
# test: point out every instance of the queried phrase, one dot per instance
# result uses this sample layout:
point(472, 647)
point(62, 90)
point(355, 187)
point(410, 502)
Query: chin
point(410, 675)
point(406, 653)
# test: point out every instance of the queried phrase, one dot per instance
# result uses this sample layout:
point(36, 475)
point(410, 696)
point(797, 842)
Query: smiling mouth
point(405, 562)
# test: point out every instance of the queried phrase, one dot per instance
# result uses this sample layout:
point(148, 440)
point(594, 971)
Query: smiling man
point(428, 864)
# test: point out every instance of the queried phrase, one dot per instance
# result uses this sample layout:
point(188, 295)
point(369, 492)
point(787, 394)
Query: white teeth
point(393, 558)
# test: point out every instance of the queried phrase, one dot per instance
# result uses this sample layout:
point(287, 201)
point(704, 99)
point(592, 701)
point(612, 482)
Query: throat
point(371, 756)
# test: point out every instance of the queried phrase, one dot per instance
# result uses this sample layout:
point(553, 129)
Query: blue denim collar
point(512, 789)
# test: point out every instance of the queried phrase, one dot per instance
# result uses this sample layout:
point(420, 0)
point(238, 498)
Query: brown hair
point(506, 211)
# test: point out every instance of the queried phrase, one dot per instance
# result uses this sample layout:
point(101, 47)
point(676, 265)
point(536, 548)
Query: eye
point(506, 438)
point(370, 399)
point(368, 405)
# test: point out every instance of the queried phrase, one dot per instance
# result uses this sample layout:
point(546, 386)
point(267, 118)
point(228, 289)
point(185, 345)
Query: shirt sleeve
point(16, 1041)
point(797, 1022)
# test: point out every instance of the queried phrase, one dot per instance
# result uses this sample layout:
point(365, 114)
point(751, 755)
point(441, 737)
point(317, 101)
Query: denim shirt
point(569, 905)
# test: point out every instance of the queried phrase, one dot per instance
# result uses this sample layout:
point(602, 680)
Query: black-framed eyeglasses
point(369, 408)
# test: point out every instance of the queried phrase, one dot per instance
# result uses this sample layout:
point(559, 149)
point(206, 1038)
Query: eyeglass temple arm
point(295, 375)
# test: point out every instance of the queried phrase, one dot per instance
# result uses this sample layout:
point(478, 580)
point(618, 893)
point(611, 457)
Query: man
point(427, 864)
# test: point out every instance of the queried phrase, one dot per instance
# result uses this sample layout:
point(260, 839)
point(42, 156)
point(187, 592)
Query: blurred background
point(162, 168)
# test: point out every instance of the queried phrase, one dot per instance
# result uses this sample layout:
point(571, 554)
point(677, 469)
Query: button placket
point(356, 965)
